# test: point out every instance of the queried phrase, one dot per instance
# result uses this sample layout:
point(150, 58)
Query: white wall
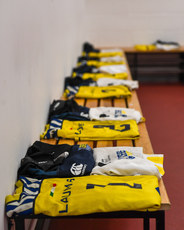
point(125, 23)
point(39, 43)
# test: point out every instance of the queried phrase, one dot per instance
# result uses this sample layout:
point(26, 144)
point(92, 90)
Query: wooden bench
point(143, 141)
point(156, 64)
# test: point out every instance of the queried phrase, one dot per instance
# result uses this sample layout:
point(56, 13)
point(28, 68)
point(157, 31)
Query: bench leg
point(146, 223)
point(160, 221)
point(10, 223)
point(19, 224)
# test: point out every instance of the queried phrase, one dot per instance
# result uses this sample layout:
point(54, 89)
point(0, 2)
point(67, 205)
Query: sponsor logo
point(120, 113)
point(124, 155)
point(77, 169)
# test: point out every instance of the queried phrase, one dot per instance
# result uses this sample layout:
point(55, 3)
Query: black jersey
point(43, 160)
point(67, 110)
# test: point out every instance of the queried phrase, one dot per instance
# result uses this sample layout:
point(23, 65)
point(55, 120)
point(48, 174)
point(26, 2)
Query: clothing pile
point(67, 119)
point(158, 45)
point(70, 189)
point(65, 179)
point(99, 74)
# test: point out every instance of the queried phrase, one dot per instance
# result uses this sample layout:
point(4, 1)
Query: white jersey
point(111, 81)
point(127, 167)
point(166, 47)
point(106, 155)
point(113, 69)
point(118, 161)
point(112, 59)
point(114, 113)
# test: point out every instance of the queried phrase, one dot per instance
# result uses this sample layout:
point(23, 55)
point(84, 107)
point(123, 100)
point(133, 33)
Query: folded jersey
point(77, 196)
point(166, 45)
point(91, 130)
point(84, 68)
point(144, 47)
point(127, 161)
point(110, 81)
point(99, 63)
point(96, 76)
point(67, 109)
point(111, 69)
point(43, 160)
point(114, 59)
point(117, 91)
point(159, 44)
point(78, 81)
point(115, 113)
point(58, 110)
point(88, 47)
point(91, 51)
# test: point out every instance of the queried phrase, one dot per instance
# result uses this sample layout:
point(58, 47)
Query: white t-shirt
point(114, 113)
point(111, 81)
point(119, 161)
point(113, 69)
point(112, 59)
point(107, 155)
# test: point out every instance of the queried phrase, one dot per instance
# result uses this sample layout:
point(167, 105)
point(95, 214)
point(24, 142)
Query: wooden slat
point(124, 143)
point(104, 144)
point(165, 202)
point(105, 103)
point(89, 103)
point(90, 143)
point(144, 140)
point(92, 103)
point(133, 102)
point(80, 101)
point(121, 103)
point(50, 141)
point(66, 141)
